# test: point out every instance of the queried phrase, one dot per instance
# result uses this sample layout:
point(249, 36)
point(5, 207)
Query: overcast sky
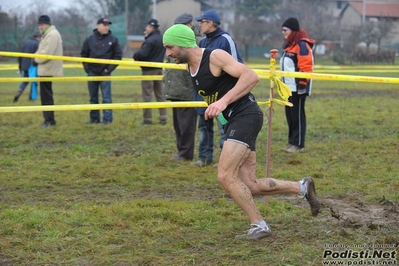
point(7, 4)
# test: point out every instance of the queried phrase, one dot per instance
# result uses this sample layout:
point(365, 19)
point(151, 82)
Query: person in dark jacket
point(152, 50)
point(215, 38)
point(297, 57)
point(178, 87)
point(102, 45)
point(29, 46)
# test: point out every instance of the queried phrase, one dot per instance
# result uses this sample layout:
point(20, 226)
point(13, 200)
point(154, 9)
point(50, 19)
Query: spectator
point(103, 45)
point(215, 37)
point(297, 57)
point(51, 44)
point(152, 50)
point(178, 87)
point(24, 63)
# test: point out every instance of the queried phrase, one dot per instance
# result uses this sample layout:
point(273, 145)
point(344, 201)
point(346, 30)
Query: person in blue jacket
point(215, 38)
point(102, 45)
point(29, 46)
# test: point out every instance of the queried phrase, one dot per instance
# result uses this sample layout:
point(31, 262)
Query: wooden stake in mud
point(273, 54)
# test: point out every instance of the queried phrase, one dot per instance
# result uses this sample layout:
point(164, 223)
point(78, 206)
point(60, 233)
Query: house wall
point(351, 17)
point(395, 27)
point(334, 9)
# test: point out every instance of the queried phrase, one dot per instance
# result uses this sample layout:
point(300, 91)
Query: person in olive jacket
point(179, 87)
point(50, 44)
point(101, 44)
point(152, 50)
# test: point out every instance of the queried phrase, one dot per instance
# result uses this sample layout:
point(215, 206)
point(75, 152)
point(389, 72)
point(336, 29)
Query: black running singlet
point(213, 88)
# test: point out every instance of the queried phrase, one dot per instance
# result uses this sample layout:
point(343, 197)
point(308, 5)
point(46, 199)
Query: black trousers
point(296, 120)
point(185, 123)
point(46, 96)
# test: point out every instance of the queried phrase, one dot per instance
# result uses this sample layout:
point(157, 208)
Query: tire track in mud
point(354, 214)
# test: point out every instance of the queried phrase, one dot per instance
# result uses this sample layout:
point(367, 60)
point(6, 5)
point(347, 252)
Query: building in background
point(344, 19)
point(355, 13)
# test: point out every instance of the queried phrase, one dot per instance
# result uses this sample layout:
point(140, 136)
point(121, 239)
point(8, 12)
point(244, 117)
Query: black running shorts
point(244, 129)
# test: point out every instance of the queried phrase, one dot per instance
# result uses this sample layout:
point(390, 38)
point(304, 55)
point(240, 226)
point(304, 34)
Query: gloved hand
point(301, 90)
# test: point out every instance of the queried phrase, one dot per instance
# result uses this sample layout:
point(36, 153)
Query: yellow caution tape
point(260, 72)
point(111, 106)
point(98, 61)
point(67, 65)
point(366, 69)
point(322, 76)
point(91, 78)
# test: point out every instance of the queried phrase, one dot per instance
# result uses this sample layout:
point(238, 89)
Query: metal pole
point(154, 9)
point(127, 21)
point(364, 12)
point(273, 54)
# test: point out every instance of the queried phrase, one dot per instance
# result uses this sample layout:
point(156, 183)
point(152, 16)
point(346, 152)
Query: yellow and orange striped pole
point(273, 54)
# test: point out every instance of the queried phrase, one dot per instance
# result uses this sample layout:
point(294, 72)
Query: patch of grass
point(77, 194)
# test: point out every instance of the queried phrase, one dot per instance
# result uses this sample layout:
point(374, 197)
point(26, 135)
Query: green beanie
point(179, 35)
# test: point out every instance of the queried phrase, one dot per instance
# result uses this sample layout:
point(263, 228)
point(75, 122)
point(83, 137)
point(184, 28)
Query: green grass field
point(78, 194)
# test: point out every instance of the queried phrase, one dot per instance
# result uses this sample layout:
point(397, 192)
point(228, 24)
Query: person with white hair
point(215, 37)
point(50, 44)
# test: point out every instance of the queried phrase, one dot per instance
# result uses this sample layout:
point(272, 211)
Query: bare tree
point(96, 9)
point(384, 31)
point(246, 34)
point(42, 7)
point(368, 33)
point(13, 32)
point(138, 13)
point(314, 19)
point(252, 27)
point(73, 27)
point(17, 26)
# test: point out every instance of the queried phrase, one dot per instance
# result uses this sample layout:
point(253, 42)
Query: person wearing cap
point(215, 37)
point(297, 57)
point(24, 63)
point(101, 45)
point(50, 44)
point(178, 87)
point(225, 85)
point(152, 50)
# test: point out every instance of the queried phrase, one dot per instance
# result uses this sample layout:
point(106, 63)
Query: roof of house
point(377, 10)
